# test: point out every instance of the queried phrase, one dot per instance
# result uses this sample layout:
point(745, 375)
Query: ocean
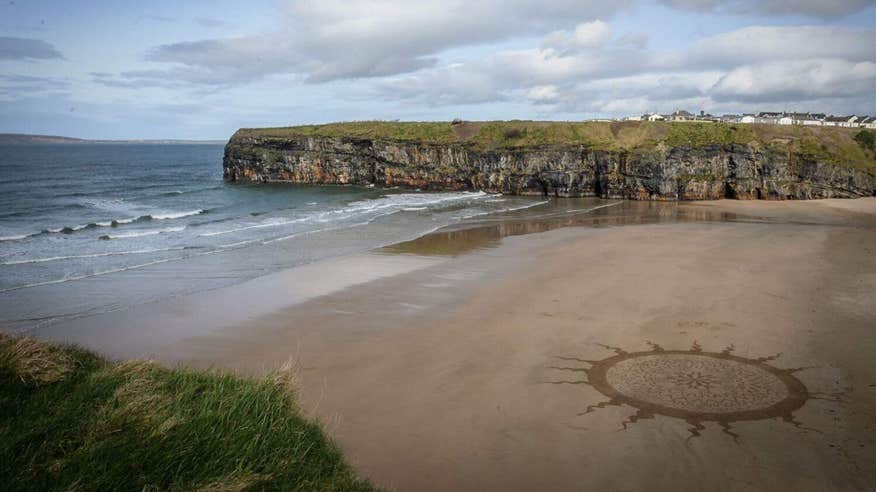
point(90, 228)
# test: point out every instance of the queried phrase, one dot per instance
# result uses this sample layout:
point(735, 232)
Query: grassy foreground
point(70, 420)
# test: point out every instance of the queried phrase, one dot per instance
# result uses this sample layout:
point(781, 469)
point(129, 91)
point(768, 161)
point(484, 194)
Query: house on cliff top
point(681, 115)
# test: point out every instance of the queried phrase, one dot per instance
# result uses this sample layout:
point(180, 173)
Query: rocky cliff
point(649, 169)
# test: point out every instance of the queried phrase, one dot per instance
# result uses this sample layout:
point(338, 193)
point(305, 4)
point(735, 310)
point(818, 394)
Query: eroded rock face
point(658, 173)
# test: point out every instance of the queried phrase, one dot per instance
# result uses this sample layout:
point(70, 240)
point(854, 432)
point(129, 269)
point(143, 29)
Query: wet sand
point(466, 369)
point(440, 379)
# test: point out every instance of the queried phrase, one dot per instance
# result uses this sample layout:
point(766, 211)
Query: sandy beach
point(461, 361)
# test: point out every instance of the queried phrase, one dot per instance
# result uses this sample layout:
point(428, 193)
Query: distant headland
point(29, 139)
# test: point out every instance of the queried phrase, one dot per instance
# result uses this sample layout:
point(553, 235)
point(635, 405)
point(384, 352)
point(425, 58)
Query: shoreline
point(212, 310)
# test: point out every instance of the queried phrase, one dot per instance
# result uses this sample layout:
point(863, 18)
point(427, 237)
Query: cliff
point(634, 160)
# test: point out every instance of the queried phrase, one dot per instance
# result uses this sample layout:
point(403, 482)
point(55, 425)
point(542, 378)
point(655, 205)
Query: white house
point(812, 119)
point(786, 120)
point(748, 118)
point(653, 117)
point(836, 120)
point(681, 115)
point(851, 122)
point(867, 122)
point(768, 117)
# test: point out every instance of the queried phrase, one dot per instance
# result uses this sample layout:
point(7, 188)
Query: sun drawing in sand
point(693, 385)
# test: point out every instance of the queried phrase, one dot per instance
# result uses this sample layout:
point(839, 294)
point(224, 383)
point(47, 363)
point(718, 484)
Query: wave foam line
point(107, 272)
point(95, 255)
point(152, 232)
point(504, 210)
point(14, 238)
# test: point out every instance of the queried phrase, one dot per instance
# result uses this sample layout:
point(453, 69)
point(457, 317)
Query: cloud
point(16, 86)
point(763, 43)
point(797, 80)
point(756, 65)
point(543, 94)
point(27, 49)
point(337, 39)
point(211, 22)
point(812, 8)
point(586, 35)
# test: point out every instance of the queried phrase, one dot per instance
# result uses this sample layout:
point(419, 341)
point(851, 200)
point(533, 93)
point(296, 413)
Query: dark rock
point(653, 173)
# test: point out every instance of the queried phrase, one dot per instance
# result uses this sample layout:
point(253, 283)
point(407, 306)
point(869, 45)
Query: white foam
point(176, 215)
point(270, 223)
point(151, 232)
point(503, 210)
point(14, 238)
point(95, 255)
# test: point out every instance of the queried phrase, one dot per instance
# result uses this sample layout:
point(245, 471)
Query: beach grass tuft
point(72, 420)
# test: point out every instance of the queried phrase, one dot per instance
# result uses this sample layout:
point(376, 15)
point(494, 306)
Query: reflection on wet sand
point(587, 212)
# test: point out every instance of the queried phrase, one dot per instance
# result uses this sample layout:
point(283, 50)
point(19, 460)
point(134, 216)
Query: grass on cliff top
point(831, 143)
point(70, 420)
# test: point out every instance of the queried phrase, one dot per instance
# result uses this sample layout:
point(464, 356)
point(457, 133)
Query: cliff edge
point(633, 160)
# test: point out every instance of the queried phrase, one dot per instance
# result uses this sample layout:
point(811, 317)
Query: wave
point(95, 255)
point(107, 223)
point(151, 232)
point(272, 223)
point(90, 275)
point(504, 210)
point(14, 238)
point(406, 200)
point(176, 215)
point(396, 202)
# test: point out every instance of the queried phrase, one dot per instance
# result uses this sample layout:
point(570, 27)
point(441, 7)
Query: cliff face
point(658, 172)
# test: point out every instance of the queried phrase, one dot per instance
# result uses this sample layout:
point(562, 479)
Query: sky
point(200, 69)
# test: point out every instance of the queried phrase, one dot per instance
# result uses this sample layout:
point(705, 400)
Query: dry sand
point(442, 378)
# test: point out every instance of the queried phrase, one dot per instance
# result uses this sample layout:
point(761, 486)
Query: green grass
point(432, 132)
point(70, 420)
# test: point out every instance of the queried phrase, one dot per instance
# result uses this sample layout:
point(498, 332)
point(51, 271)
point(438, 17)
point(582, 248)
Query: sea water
point(88, 228)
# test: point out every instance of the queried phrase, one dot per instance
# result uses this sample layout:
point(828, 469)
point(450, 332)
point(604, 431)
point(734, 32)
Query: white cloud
point(747, 66)
point(543, 94)
point(586, 35)
point(797, 80)
point(762, 43)
point(336, 39)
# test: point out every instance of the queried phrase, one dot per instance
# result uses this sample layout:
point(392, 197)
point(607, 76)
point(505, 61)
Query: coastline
point(430, 359)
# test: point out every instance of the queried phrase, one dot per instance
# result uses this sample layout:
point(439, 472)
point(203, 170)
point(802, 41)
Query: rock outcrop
point(655, 172)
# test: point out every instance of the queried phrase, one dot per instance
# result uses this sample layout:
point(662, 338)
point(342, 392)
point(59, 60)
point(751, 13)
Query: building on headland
point(763, 117)
point(769, 117)
point(808, 119)
point(837, 120)
point(681, 115)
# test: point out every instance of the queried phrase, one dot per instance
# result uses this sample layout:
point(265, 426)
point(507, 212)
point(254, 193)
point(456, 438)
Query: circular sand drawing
point(693, 385)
